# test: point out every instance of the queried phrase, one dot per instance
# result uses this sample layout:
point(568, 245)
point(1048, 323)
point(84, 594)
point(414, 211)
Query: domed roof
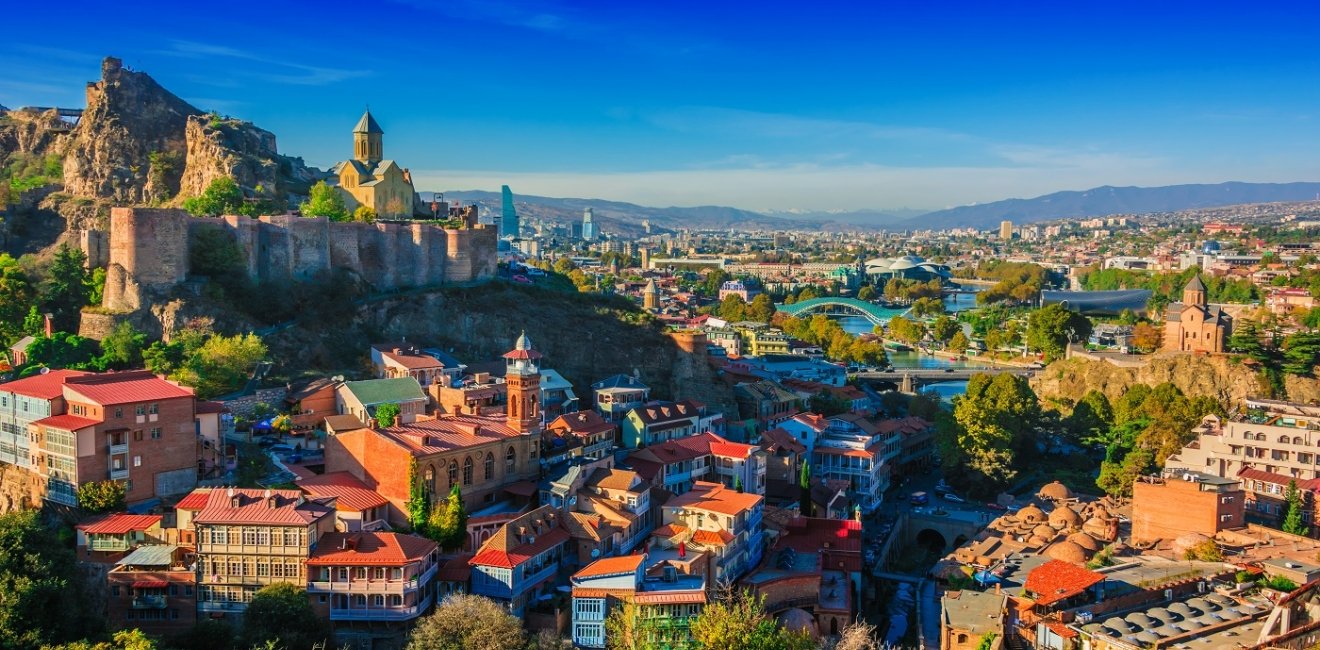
point(1044, 531)
point(523, 342)
point(1037, 540)
point(1031, 514)
point(1067, 551)
point(905, 262)
point(1097, 528)
point(797, 620)
point(1065, 517)
point(1056, 490)
point(1085, 541)
point(1189, 540)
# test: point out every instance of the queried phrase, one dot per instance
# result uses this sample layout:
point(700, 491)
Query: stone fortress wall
point(149, 251)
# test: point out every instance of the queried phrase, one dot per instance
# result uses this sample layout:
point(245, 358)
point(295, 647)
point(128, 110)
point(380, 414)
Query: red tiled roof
point(412, 361)
point(124, 388)
point(196, 500)
point(817, 422)
point(669, 530)
point(714, 497)
point(455, 569)
point(67, 422)
point(582, 423)
point(1253, 474)
point(373, 549)
point(731, 449)
point(208, 406)
point(447, 433)
point(289, 508)
point(118, 523)
point(1061, 629)
point(610, 566)
point(351, 493)
point(507, 548)
point(510, 559)
point(47, 386)
point(1056, 580)
point(712, 537)
point(844, 451)
point(778, 438)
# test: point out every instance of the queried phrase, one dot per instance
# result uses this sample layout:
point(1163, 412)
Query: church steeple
point(1194, 292)
point(367, 136)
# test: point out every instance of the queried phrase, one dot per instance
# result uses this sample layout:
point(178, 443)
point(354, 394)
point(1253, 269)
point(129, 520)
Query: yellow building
point(369, 179)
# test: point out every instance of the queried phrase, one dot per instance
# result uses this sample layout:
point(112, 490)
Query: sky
point(765, 106)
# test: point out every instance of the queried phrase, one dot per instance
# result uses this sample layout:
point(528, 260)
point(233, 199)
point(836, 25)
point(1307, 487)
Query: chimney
point(47, 324)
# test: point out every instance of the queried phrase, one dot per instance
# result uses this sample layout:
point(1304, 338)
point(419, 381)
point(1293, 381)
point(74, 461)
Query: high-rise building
point(1006, 230)
point(509, 218)
point(588, 227)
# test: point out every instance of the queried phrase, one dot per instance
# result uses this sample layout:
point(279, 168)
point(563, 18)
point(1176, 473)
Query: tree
point(867, 293)
point(122, 347)
point(1051, 328)
point(987, 641)
point(804, 490)
point(943, 329)
point(732, 308)
point(906, 330)
point(207, 634)
point(419, 499)
point(992, 424)
point(959, 342)
point(1206, 551)
point(325, 201)
point(448, 522)
point(738, 621)
point(42, 599)
point(1245, 339)
point(1146, 337)
point(222, 196)
point(858, 635)
point(826, 404)
point(807, 293)
point(1116, 479)
point(387, 414)
point(280, 612)
point(1300, 353)
point(927, 307)
point(66, 291)
point(364, 214)
point(762, 308)
point(1292, 521)
point(17, 302)
point(101, 496)
point(1091, 416)
point(61, 350)
point(215, 253)
point(122, 640)
point(466, 622)
point(222, 363)
point(626, 628)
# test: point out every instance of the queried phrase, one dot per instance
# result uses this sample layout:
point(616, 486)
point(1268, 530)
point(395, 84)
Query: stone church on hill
point(369, 179)
point(1194, 325)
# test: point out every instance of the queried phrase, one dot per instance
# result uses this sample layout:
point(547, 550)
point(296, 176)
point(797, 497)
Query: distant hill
point(1107, 200)
point(626, 218)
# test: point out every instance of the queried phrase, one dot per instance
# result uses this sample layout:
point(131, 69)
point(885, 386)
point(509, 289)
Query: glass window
point(467, 471)
point(510, 459)
point(490, 466)
point(453, 473)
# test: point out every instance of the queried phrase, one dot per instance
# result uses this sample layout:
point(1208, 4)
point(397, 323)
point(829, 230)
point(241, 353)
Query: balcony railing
point(380, 613)
point(118, 474)
point(149, 602)
point(121, 448)
point(108, 544)
point(357, 586)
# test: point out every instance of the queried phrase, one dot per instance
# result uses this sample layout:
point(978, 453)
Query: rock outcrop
point(1218, 376)
point(130, 122)
point(31, 132)
point(239, 150)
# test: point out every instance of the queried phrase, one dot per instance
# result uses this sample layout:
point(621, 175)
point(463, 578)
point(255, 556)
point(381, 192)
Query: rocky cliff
point(1219, 377)
point(218, 148)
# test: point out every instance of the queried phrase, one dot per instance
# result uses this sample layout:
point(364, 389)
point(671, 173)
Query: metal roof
point(150, 555)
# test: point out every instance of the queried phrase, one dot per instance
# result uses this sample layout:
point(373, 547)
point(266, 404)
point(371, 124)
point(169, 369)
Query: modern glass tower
point(509, 219)
point(588, 228)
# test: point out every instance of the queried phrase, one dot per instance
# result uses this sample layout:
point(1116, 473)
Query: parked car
point(919, 499)
point(521, 279)
point(995, 506)
point(281, 449)
point(953, 498)
point(535, 272)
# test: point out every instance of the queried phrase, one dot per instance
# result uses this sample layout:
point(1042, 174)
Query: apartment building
point(395, 360)
point(153, 589)
point(720, 521)
point(661, 421)
point(858, 450)
point(1181, 502)
point(595, 434)
point(1272, 436)
point(615, 396)
point(250, 538)
point(676, 465)
point(664, 597)
point(368, 579)
point(521, 561)
point(23, 402)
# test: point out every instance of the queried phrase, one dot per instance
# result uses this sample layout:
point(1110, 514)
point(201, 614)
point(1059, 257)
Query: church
point(1194, 325)
point(369, 179)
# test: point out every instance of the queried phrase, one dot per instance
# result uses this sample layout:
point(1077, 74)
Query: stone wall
point(242, 406)
point(148, 252)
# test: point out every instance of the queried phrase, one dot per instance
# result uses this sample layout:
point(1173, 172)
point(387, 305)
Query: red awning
point(151, 584)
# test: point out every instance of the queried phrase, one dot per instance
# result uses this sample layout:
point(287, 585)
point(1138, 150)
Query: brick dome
point(1056, 491)
point(1065, 517)
point(1032, 515)
point(1067, 551)
point(1085, 541)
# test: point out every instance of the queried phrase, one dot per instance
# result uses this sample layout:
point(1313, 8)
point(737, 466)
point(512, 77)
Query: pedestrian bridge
point(913, 377)
point(835, 306)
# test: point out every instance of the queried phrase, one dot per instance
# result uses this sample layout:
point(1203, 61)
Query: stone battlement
point(149, 252)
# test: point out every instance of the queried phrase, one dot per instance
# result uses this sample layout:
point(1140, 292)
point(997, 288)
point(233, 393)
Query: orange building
point(1194, 325)
point(1185, 502)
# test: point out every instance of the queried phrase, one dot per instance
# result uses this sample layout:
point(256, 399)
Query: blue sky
point(821, 105)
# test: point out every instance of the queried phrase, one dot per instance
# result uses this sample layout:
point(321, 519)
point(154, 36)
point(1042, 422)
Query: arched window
point(490, 466)
point(509, 460)
point(453, 473)
point(430, 479)
point(1283, 439)
point(1297, 440)
point(467, 471)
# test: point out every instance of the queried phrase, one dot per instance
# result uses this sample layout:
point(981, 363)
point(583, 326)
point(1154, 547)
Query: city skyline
point(859, 108)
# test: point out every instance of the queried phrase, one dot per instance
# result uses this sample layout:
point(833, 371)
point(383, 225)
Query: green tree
point(1292, 521)
point(807, 293)
point(804, 490)
point(207, 634)
point(826, 404)
point(365, 214)
point(867, 293)
point(992, 424)
point(122, 640)
point(1051, 328)
point(325, 201)
point(41, 599)
point(466, 622)
point(927, 307)
point(215, 253)
point(62, 350)
point(222, 363)
point(738, 621)
point(101, 496)
point(35, 322)
point(1300, 353)
point(17, 302)
point(122, 347)
point(1246, 339)
point(761, 309)
point(959, 342)
point(387, 414)
point(1116, 478)
point(448, 522)
point(1090, 416)
point(943, 329)
point(222, 196)
point(281, 612)
point(66, 291)
point(253, 466)
point(419, 499)
point(733, 308)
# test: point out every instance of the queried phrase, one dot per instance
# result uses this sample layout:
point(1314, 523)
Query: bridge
point(834, 306)
point(909, 378)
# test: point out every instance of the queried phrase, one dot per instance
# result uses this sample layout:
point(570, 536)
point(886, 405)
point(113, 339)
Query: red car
point(521, 279)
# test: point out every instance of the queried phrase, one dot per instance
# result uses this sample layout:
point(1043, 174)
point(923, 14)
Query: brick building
point(1182, 502)
point(23, 402)
point(1194, 325)
point(152, 589)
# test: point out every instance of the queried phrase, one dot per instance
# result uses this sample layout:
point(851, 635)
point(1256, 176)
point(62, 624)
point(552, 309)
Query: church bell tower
point(367, 137)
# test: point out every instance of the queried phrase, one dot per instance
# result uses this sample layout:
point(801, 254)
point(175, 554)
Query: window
point(467, 471)
point(510, 459)
point(378, 600)
point(155, 408)
point(141, 409)
point(343, 574)
point(430, 479)
point(137, 461)
point(453, 474)
point(137, 435)
point(490, 466)
point(119, 412)
point(155, 433)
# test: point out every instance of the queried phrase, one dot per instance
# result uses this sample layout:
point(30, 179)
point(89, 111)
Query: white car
point(953, 498)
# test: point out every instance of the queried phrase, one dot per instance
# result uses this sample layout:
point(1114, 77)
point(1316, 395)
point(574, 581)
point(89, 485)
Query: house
point(478, 394)
point(595, 434)
point(132, 427)
point(372, 585)
point(396, 360)
point(615, 396)
point(720, 521)
point(967, 617)
point(358, 508)
point(250, 538)
point(521, 561)
point(807, 428)
point(676, 465)
point(660, 421)
point(766, 402)
point(311, 402)
point(606, 511)
point(23, 402)
point(856, 449)
point(1182, 502)
point(214, 424)
point(783, 463)
point(153, 589)
point(556, 394)
point(815, 565)
point(1266, 496)
point(18, 351)
point(107, 538)
point(360, 398)
point(660, 592)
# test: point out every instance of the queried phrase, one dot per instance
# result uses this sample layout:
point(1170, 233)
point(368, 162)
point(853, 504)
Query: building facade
point(1194, 325)
point(1182, 502)
point(367, 580)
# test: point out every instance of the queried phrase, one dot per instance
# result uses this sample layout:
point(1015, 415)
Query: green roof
point(386, 391)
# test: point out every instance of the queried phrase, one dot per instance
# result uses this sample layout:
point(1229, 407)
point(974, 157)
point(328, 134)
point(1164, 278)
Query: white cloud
point(273, 69)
